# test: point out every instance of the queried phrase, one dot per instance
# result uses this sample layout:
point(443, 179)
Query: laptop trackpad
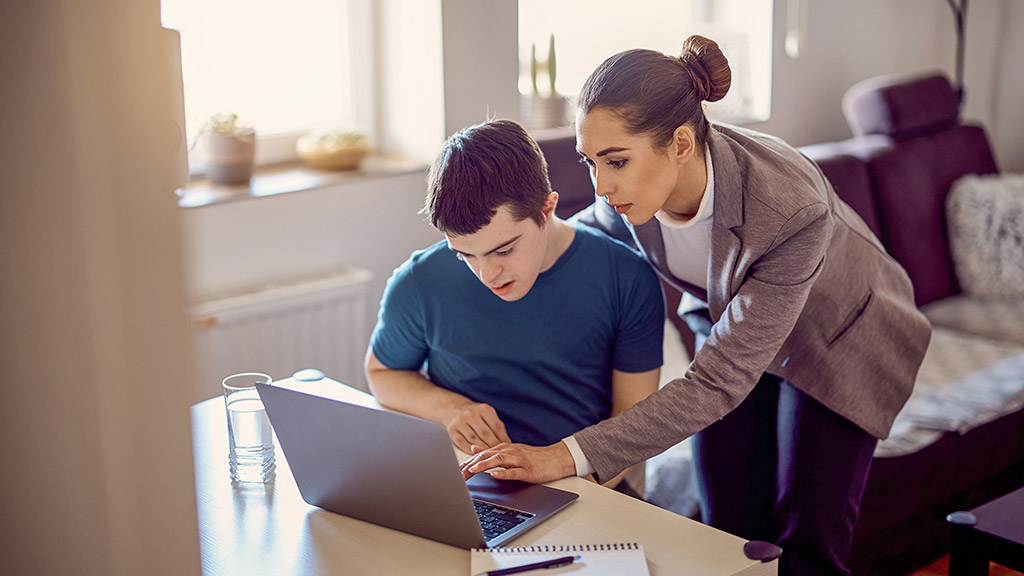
point(540, 500)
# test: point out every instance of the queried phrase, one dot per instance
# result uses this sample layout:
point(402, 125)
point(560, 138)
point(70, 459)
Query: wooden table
point(269, 529)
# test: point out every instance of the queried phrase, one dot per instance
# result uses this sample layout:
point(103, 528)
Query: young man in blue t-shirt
point(519, 327)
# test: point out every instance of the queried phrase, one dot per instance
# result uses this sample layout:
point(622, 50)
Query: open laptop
point(398, 471)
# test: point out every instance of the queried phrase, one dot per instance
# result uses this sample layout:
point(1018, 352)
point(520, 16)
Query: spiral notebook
point(595, 559)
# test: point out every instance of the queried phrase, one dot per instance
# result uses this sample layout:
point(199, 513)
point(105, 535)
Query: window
point(588, 32)
point(283, 67)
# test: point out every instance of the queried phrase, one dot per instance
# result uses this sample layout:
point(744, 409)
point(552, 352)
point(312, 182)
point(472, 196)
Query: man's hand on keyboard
point(476, 425)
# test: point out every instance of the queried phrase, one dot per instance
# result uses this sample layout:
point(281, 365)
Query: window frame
point(277, 148)
point(716, 19)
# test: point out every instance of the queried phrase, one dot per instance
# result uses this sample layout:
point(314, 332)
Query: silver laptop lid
point(390, 469)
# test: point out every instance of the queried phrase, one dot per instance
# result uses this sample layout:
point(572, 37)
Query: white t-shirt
point(688, 241)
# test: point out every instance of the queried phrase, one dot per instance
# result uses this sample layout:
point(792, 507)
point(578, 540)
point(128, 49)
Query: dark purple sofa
point(896, 172)
point(909, 147)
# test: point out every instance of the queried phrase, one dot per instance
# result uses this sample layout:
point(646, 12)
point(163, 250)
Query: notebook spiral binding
point(562, 548)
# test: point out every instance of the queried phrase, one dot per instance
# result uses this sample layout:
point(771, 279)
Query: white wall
point(372, 224)
point(1006, 123)
point(410, 77)
point(481, 61)
point(97, 464)
point(847, 42)
point(850, 41)
point(444, 64)
point(450, 63)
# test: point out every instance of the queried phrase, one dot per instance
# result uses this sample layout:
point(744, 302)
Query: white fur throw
point(986, 233)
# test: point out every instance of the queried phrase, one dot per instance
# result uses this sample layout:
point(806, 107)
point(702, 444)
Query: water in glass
point(251, 455)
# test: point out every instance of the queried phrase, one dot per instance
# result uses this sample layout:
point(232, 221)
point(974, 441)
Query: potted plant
point(336, 149)
point(228, 149)
point(543, 108)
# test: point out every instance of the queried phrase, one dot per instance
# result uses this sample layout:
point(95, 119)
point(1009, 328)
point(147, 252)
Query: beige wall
point(850, 41)
point(1007, 93)
point(97, 473)
point(246, 244)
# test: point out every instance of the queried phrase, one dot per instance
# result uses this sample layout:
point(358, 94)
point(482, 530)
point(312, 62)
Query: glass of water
point(251, 439)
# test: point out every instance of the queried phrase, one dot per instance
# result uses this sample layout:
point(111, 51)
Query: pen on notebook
point(553, 563)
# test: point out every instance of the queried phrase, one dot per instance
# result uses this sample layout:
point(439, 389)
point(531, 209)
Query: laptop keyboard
point(496, 520)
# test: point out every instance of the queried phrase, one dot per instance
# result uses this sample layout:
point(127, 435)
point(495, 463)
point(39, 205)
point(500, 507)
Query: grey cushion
point(995, 319)
point(986, 234)
point(965, 381)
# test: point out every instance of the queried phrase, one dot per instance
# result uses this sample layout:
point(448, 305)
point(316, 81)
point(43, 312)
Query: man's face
point(506, 255)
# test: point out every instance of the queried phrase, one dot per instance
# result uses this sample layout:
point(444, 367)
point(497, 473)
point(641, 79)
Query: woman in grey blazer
point(809, 337)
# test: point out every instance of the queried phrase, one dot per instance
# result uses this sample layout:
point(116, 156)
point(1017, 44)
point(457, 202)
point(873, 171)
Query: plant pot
point(539, 112)
point(229, 157)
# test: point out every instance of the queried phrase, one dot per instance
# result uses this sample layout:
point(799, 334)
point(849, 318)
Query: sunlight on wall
point(587, 33)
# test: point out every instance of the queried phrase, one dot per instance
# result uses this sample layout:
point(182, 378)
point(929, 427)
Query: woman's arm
point(743, 342)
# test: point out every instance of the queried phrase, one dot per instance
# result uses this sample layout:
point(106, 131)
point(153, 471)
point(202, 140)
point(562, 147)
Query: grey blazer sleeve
point(743, 342)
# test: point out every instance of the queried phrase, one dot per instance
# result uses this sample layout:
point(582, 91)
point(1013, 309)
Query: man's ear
point(684, 143)
point(550, 203)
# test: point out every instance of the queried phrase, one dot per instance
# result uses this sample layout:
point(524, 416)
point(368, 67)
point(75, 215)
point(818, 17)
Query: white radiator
point(321, 323)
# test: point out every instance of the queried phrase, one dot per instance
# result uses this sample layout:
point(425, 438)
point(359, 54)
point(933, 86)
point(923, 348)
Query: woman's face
point(627, 170)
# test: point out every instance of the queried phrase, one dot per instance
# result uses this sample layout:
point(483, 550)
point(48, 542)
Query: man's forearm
point(411, 393)
point(468, 423)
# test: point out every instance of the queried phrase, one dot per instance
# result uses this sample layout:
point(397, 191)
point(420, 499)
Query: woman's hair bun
point(708, 68)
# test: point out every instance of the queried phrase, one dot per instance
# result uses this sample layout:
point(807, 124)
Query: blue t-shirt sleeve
point(399, 338)
point(640, 339)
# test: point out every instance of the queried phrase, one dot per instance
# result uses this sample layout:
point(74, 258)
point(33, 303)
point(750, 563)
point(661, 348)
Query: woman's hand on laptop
point(476, 425)
point(507, 461)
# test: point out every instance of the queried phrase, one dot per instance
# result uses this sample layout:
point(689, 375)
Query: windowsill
point(292, 177)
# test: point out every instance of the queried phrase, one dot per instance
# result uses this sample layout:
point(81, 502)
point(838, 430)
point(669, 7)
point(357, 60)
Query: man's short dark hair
point(480, 169)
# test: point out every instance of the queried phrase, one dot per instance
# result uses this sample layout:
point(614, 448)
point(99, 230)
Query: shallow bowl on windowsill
point(332, 156)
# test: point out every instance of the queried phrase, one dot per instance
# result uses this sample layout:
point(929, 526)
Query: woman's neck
point(685, 198)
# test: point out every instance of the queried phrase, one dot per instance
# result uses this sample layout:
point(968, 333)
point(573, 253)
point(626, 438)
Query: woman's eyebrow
point(604, 152)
